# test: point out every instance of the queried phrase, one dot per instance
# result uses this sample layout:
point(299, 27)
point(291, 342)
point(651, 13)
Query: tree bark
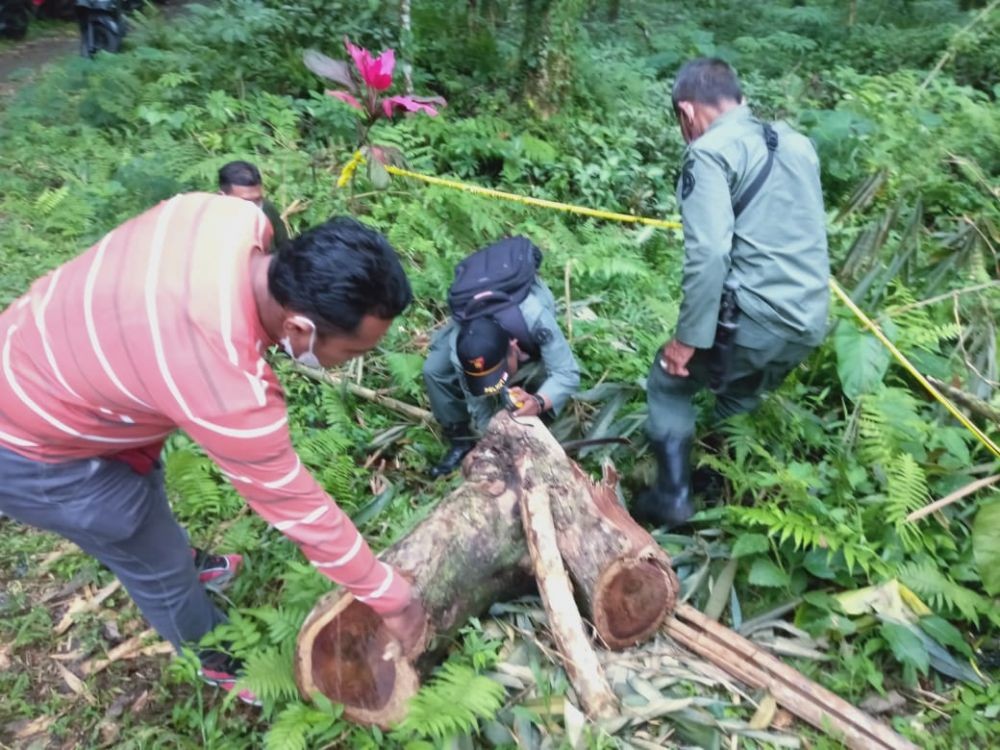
point(470, 551)
point(551, 32)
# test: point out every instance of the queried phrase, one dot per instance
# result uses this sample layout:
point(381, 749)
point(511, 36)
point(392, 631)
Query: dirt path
point(20, 62)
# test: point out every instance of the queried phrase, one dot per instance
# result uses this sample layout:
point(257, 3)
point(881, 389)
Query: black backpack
point(493, 282)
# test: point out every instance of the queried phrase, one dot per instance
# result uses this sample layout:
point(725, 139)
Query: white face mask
point(307, 358)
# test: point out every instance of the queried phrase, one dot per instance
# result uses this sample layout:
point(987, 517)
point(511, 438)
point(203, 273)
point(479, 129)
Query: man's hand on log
point(408, 627)
point(531, 405)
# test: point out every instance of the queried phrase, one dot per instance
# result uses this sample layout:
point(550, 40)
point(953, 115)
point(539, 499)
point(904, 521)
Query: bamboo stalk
point(953, 497)
point(578, 657)
point(806, 699)
point(951, 51)
point(414, 412)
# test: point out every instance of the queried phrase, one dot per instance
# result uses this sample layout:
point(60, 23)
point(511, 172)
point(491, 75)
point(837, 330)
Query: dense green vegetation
point(901, 99)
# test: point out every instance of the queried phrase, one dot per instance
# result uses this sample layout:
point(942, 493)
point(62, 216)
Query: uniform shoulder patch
point(542, 335)
point(687, 179)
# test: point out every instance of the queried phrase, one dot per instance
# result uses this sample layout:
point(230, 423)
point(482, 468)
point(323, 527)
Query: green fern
point(191, 479)
point(269, 675)
point(942, 593)
point(49, 200)
point(282, 625)
point(405, 368)
point(907, 491)
point(300, 726)
point(810, 531)
point(889, 423)
point(453, 702)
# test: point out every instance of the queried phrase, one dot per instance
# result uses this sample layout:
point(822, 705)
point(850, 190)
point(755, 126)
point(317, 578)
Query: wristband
point(541, 403)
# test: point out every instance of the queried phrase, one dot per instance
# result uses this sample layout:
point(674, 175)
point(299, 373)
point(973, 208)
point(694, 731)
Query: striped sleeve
point(251, 445)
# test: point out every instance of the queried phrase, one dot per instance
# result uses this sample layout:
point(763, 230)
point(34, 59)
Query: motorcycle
point(14, 18)
point(102, 25)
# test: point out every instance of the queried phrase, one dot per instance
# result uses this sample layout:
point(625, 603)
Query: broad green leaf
point(986, 545)
point(817, 562)
point(766, 573)
point(862, 360)
point(906, 645)
point(944, 662)
point(750, 544)
point(944, 633)
point(953, 439)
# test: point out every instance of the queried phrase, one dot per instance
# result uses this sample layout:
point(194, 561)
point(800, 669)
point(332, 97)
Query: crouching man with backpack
point(503, 318)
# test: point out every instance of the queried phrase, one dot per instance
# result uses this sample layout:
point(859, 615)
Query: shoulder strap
point(511, 319)
point(771, 139)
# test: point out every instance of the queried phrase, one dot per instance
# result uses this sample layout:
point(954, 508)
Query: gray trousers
point(123, 519)
point(443, 382)
point(760, 362)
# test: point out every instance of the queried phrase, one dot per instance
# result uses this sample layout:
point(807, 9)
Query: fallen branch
point(130, 649)
point(578, 657)
point(798, 694)
point(953, 497)
point(414, 412)
point(970, 402)
point(81, 605)
point(78, 686)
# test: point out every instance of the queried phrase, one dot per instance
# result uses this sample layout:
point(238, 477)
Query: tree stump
point(470, 552)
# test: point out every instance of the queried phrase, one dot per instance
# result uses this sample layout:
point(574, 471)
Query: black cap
point(482, 348)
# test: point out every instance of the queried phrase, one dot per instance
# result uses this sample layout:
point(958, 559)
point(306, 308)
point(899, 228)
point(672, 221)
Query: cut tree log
point(470, 552)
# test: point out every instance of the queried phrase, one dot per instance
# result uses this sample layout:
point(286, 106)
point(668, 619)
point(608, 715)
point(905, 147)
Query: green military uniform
point(775, 250)
point(280, 240)
point(450, 399)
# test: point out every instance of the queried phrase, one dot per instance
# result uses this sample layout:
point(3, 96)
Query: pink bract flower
point(377, 73)
point(345, 97)
point(409, 103)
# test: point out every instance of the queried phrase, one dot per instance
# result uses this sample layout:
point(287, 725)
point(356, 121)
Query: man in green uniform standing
point(755, 272)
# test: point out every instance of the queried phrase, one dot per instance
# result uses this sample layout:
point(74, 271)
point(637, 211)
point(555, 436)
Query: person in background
point(241, 179)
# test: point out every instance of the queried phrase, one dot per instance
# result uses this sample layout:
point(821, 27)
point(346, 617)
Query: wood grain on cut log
point(470, 552)
point(623, 577)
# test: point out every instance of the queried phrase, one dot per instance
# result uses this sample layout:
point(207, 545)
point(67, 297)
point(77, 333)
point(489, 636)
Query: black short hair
point(338, 272)
point(706, 80)
point(238, 173)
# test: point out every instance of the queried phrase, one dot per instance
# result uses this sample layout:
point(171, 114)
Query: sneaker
point(220, 669)
point(216, 572)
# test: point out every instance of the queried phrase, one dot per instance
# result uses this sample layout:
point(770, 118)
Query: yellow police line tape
point(908, 366)
point(540, 202)
point(668, 224)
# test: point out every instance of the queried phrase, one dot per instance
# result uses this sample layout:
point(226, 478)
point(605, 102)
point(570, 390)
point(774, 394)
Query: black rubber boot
point(462, 442)
point(668, 501)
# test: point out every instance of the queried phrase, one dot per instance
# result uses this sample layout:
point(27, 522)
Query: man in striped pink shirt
point(163, 325)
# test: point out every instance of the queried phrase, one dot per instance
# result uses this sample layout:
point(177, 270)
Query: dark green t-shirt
point(280, 241)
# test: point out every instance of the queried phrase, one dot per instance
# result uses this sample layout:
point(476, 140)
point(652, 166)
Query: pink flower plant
point(363, 84)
